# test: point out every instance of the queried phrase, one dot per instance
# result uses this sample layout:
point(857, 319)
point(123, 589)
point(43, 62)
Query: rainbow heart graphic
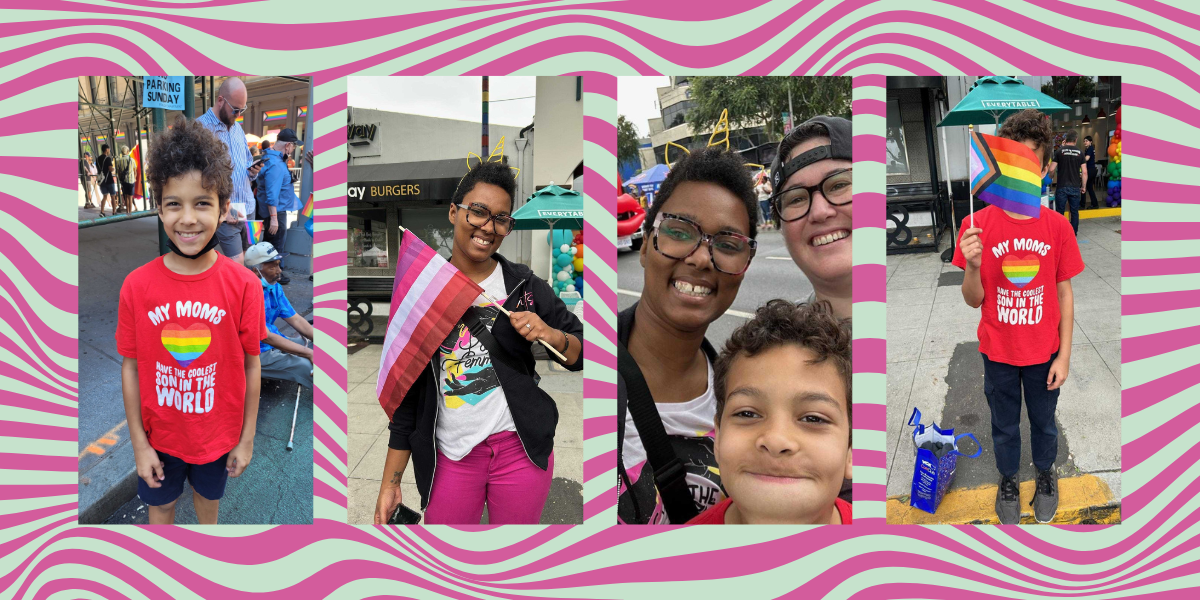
point(186, 345)
point(1020, 271)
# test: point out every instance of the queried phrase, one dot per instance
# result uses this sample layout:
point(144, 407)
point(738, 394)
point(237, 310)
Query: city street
point(369, 434)
point(933, 364)
point(276, 487)
point(771, 275)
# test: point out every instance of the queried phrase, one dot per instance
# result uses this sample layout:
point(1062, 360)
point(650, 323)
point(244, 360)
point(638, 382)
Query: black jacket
point(414, 425)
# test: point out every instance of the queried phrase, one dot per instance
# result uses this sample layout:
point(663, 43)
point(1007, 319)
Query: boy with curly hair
point(784, 418)
point(188, 327)
point(1024, 287)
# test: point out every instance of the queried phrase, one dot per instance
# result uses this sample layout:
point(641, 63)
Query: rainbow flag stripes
point(303, 112)
point(1006, 173)
point(254, 231)
point(1020, 271)
point(307, 211)
point(275, 115)
point(186, 345)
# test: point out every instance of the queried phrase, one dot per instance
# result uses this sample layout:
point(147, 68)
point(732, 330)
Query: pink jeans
point(496, 471)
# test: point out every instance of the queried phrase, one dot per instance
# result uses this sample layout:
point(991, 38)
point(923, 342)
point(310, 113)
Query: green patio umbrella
point(992, 99)
point(551, 207)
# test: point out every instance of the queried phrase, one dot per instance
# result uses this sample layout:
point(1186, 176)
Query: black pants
point(1002, 384)
point(277, 240)
point(1091, 188)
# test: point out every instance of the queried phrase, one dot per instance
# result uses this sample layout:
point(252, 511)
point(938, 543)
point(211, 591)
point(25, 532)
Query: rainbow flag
point(429, 296)
point(135, 157)
point(240, 118)
point(275, 115)
point(254, 231)
point(1006, 173)
point(303, 112)
point(307, 211)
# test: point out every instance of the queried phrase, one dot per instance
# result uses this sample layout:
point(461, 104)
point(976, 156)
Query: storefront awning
point(453, 168)
point(430, 180)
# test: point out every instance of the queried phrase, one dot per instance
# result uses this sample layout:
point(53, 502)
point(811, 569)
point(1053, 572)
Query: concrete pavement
point(277, 485)
point(368, 441)
point(934, 365)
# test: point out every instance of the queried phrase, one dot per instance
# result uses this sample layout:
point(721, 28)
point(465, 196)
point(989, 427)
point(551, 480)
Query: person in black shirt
point(1068, 160)
point(1089, 152)
point(108, 179)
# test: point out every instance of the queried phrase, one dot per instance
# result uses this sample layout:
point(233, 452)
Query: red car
point(630, 215)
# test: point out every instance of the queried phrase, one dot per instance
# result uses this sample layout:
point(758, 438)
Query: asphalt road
point(771, 275)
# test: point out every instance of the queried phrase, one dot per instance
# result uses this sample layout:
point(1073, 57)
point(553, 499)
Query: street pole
point(791, 111)
point(160, 124)
point(483, 155)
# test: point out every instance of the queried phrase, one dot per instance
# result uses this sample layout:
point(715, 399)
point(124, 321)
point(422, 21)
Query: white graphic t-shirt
point(473, 403)
point(689, 425)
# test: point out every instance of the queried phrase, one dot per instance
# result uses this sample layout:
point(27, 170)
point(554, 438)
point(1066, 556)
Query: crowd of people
point(760, 431)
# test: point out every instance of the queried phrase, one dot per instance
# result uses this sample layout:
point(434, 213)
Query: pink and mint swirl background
point(1152, 44)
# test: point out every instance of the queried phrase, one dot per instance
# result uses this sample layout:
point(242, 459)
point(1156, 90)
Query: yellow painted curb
point(1096, 213)
point(1085, 499)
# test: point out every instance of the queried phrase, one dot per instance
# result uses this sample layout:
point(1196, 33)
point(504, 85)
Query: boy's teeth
point(829, 237)
point(692, 290)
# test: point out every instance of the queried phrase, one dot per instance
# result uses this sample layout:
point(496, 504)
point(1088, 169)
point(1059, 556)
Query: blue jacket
point(274, 184)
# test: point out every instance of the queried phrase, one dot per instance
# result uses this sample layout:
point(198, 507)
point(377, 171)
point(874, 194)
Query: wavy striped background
point(44, 554)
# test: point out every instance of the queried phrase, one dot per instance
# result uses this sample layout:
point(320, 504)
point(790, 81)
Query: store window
point(366, 242)
point(432, 225)
point(897, 152)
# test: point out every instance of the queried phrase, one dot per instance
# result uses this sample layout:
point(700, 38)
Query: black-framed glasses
point(478, 215)
point(794, 203)
point(677, 237)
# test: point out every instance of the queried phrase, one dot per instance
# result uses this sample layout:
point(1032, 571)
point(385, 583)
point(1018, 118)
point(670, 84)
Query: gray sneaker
point(1008, 501)
point(1045, 496)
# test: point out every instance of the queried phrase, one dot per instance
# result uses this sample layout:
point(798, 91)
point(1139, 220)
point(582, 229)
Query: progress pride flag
point(428, 298)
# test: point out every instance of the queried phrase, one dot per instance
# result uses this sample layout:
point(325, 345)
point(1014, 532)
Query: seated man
point(784, 415)
point(282, 357)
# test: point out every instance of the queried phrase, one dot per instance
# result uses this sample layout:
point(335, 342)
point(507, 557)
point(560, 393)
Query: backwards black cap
point(840, 147)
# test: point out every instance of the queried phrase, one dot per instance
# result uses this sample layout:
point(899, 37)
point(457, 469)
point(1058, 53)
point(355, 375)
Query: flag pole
point(509, 314)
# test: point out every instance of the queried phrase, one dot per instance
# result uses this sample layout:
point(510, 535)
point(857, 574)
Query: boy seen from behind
point(1019, 270)
point(189, 327)
point(784, 418)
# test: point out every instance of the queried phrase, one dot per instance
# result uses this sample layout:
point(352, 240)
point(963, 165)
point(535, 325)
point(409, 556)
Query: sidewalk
point(276, 488)
point(368, 442)
point(934, 365)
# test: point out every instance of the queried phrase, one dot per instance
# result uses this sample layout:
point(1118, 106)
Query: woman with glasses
point(812, 178)
point(476, 425)
point(699, 241)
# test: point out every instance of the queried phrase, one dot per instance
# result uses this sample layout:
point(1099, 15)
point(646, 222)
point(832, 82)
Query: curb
point(1083, 500)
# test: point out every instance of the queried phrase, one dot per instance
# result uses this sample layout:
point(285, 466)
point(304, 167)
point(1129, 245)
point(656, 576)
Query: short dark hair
point(188, 146)
point(1087, 137)
point(710, 165)
point(779, 322)
point(1030, 124)
point(1071, 136)
point(265, 144)
point(104, 147)
point(496, 173)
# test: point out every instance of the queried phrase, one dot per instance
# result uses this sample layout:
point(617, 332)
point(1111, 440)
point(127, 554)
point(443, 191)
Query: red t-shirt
point(716, 514)
point(190, 335)
point(1023, 262)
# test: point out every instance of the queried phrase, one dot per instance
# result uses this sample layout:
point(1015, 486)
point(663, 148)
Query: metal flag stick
point(295, 410)
point(508, 314)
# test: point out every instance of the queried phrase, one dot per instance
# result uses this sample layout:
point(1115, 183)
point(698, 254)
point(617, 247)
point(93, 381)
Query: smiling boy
point(784, 418)
point(189, 326)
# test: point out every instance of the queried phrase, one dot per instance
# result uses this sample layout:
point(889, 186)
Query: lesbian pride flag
point(1006, 173)
point(429, 296)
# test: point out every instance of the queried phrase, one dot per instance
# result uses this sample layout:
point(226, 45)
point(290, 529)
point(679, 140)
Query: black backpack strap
point(474, 322)
point(670, 477)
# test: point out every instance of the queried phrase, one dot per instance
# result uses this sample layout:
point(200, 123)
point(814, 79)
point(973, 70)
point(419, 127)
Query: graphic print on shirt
point(470, 375)
point(1020, 263)
point(703, 480)
point(188, 390)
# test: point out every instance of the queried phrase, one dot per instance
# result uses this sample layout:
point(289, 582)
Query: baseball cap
point(287, 135)
point(840, 147)
point(262, 252)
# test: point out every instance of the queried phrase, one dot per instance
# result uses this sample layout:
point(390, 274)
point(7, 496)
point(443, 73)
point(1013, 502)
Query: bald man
point(221, 119)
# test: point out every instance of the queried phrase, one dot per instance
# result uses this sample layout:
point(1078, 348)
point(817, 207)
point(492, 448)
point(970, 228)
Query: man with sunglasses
point(812, 179)
point(221, 119)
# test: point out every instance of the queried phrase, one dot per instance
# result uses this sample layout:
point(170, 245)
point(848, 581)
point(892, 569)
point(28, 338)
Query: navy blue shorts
point(208, 480)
